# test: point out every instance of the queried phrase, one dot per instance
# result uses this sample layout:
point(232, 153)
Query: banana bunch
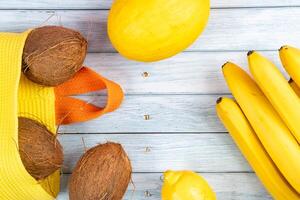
point(264, 119)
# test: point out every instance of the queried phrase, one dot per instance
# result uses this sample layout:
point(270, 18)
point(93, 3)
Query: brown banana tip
point(291, 80)
point(250, 52)
point(283, 47)
point(219, 100)
point(224, 64)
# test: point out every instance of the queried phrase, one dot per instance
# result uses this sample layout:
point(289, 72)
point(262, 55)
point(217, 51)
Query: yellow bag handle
point(21, 97)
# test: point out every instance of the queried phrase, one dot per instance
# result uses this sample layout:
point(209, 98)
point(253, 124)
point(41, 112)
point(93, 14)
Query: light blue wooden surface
point(179, 94)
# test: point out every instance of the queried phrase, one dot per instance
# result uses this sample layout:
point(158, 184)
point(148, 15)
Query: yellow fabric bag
point(21, 97)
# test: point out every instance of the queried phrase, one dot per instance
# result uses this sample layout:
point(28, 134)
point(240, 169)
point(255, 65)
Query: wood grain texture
point(105, 4)
point(228, 186)
point(167, 113)
point(228, 29)
point(186, 73)
point(160, 152)
point(183, 131)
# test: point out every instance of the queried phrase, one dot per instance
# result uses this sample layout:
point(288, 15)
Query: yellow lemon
point(186, 185)
point(151, 30)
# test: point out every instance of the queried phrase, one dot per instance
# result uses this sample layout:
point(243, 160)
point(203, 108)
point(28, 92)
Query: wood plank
point(160, 152)
point(187, 73)
point(105, 4)
point(167, 113)
point(228, 29)
point(228, 186)
point(254, 3)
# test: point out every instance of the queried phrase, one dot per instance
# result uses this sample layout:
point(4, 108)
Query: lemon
point(186, 185)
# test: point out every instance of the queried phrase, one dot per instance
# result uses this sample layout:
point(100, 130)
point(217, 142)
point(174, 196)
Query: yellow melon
point(152, 30)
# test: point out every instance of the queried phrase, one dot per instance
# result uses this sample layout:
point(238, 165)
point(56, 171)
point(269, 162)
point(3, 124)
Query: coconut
point(40, 151)
point(53, 54)
point(103, 172)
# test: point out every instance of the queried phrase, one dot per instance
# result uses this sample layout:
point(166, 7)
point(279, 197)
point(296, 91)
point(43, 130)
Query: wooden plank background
point(179, 94)
point(233, 29)
point(105, 4)
point(228, 186)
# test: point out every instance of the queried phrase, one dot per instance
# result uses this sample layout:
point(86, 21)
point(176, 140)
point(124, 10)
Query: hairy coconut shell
point(103, 172)
point(40, 151)
point(53, 54)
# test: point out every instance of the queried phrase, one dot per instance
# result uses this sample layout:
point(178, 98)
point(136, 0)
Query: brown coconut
point(103, 172)
point(53, 54)
point(40, 151)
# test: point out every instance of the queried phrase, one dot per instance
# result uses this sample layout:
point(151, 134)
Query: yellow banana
point(277, 89)
point(270, 129)
point(290, 59)
point(295, 87)
point(244, 136)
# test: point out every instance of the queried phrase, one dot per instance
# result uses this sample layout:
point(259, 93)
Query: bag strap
point(71, 110)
